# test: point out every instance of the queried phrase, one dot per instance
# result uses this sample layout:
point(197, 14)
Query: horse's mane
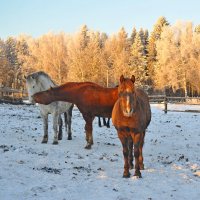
point(76, 85)
point(41, 77)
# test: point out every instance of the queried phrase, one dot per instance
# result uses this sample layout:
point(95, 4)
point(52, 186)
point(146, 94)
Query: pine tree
point(138, 61)
point(5, 67)
point(22, 50)
point(155, 36)
point(120, 55)
point(197, 29)
point(146, 38)
point(11, 54)
point(133, 34)
point(83, 37)
point(103, 38)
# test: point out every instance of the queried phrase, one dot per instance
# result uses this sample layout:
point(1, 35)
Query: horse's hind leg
point(141, 164)
point(60, 124)
point(88, 130)
point(136, 141)
point(68, 122)
point(108, 123)
point(130, 155)
point(55, 126)
point(99, 121)
point(45, 126)
point(124, 141)
point(104, 121)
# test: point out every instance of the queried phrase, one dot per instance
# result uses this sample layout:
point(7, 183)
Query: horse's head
point(32, 86)
point(43, 97)
point(37, 82)
point(127, 97)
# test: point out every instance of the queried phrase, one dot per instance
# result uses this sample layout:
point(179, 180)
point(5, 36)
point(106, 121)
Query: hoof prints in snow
point(49, 170)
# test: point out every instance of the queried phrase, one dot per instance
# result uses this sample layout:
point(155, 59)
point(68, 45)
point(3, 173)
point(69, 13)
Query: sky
point(37, 17)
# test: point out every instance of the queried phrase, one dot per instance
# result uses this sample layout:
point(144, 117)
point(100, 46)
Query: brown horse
point(91, 99)
point(131, 115)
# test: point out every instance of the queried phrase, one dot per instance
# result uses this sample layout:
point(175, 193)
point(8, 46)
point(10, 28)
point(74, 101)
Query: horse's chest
point(48, 109)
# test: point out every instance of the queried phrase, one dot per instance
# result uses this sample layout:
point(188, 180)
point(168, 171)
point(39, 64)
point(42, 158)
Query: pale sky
point(37, 17)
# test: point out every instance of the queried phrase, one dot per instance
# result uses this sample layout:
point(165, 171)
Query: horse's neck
point(65, 93)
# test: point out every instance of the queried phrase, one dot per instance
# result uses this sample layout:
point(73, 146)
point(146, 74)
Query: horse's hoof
point(138, 175)
point(88, 146)
point(131, 166)
point(44, 142)
point(59, 138)
point(141, 167)
point(125, 175)
point(55, 142)
point(69, 137)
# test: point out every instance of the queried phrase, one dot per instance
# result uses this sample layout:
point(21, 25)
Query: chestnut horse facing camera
point(131, 115)
point(91, 99)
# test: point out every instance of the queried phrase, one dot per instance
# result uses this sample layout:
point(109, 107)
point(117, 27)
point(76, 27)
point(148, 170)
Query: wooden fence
point(15, 95)
point(166, 100)
point(7, 93)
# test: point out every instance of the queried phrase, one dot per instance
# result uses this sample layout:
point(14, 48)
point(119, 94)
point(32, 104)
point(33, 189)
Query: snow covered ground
point(31, 170)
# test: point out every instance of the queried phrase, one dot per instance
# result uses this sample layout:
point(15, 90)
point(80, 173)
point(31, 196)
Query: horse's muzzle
point(128, 114)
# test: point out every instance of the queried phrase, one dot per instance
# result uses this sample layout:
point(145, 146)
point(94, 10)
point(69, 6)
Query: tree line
point(168, 58)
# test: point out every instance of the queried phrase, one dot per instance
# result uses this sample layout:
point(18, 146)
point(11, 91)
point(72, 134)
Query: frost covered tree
point(117, 49)
point(86, 64)
point(178, 55)
point(49, 54)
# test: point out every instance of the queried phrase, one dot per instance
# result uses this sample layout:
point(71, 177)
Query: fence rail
point(166, 99)
point(6, 92)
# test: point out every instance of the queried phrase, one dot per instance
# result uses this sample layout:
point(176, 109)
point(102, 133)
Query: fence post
point(165, 102)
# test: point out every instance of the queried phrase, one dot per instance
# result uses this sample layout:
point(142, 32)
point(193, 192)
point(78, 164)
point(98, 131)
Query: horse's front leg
point(45, 127)
point(130, 155)
point(124, 141)
point(55, 127)
point(141, 162)
point(88, 130)
point(136, 141)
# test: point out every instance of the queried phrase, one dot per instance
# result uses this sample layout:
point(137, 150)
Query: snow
point(67, 171)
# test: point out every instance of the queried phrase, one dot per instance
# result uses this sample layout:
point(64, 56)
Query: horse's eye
point(33, 86)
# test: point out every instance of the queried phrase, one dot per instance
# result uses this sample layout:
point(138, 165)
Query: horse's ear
point(25, 77)
point(122, 78)
point(133, 78)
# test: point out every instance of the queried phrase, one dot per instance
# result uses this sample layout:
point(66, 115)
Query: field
point(31, 170)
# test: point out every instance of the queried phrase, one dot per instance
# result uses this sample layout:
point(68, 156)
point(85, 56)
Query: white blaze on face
point(128, 105)
point(128, 108)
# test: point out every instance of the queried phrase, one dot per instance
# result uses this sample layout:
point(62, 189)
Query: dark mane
point(36, 75)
